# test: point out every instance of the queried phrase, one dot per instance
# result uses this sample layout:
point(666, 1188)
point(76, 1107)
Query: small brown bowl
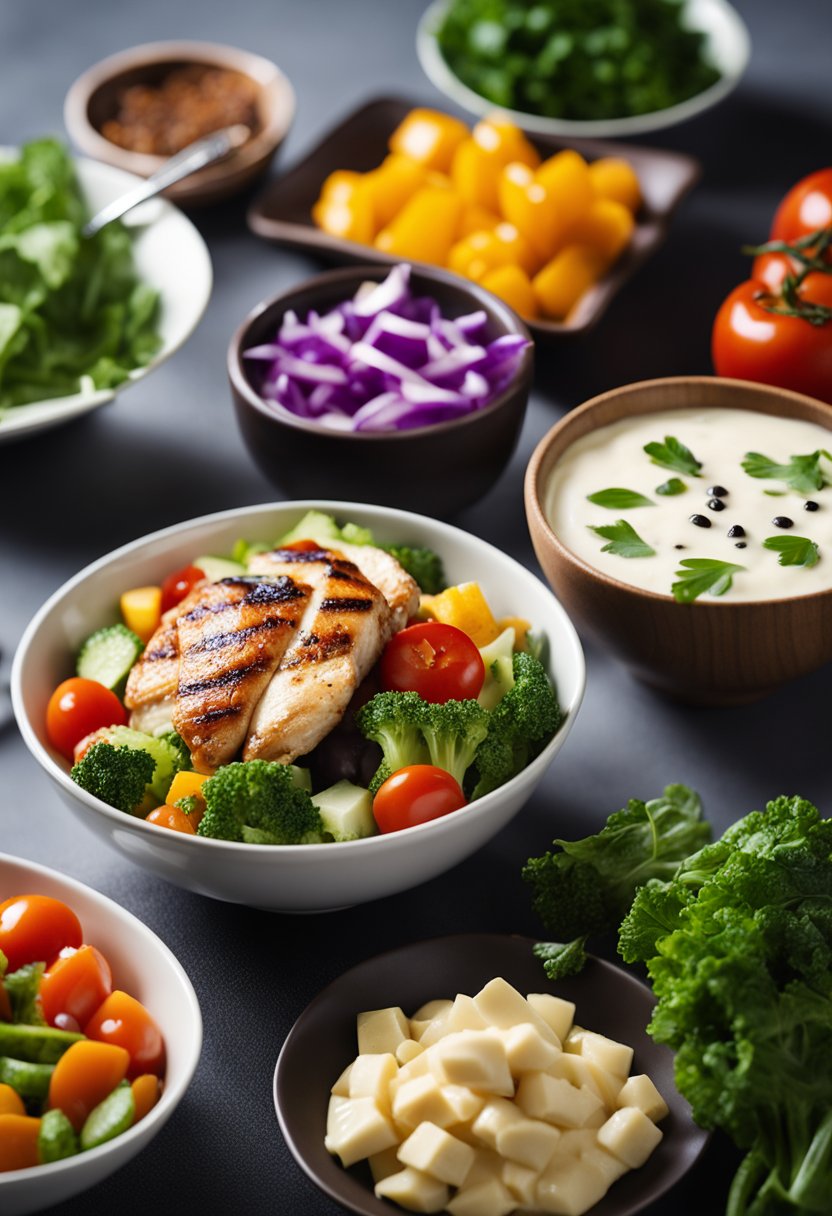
point(704, 653)
point(435, 469)
point(94, 97)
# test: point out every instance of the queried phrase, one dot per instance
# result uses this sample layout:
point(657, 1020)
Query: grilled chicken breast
point(231, 642)
point(154, 677)
point(344, 629)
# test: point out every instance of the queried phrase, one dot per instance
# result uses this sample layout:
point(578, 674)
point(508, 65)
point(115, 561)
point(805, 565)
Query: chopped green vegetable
point(671, 487)
point(22, 987)
point(672, 454)
point(56, 1137)
point(168, 752)
point(623, 540)
point(258, 802)
point(498, 660)
point(109, 1119)
point(394, 721)
point(453, 730)
point(802, 473)
point(793, 550)
point(618, 499)
point(108, 654)
point(422, 564)
point(519, 726)
point(117, 775)
point(29, 1080)
point(701, 574)
point(37, 1043)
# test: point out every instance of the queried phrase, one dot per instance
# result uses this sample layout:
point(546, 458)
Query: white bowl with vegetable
point(161, 280)
point(145, 968)
point(308, 876)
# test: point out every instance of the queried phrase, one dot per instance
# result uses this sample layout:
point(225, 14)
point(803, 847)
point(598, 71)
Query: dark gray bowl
point(322, 1043)
point(436, 469)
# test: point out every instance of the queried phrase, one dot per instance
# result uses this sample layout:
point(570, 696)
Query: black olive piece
point(783, 521)
point(678, 546)
point(716, 504)
point(811, 505)
point(701, 521)
point(740, 544)
point(736, 530)
point(717, 491)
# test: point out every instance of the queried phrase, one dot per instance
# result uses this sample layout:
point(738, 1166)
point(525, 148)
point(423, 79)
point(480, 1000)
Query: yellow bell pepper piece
point(141, 609)
point(345, 208)
point(465, 607)
point(512, 284)
point(184, 785)
point(429, 137)
point(526, 204)
point(339, 186)
point(390, 186)
point(484, 251)
point(565, 177)
point(504, 141)
point(477, 219)
point(607, 227)
point(476, 174)
point(425, 228)
point(562, 282)
point(614, 178)
point(521, 628)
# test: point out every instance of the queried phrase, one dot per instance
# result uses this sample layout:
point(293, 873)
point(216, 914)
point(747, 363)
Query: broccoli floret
point(116, 775)
point(256, 801)
point(168, 753)
point(523, 721)
point(394, 721)
point(179, 746)
point(188, 804)
point(422, 564)
point(453, 731)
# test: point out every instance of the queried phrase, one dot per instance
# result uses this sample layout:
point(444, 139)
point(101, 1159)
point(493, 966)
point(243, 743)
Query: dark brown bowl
point(717, 653)
point(322, 1043)
point(93, 99)
point(283, 211)
point(435, 469)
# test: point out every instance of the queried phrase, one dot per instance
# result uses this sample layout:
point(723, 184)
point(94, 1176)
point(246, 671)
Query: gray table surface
point(169, 450)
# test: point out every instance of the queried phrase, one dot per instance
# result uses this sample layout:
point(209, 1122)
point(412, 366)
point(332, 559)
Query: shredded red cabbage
point(384, 361)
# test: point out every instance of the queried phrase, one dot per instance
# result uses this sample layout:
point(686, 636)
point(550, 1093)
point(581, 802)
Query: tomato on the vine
point(414, 795)
point(439, 662)
point(177, 585)
point(35, 928)
point(76, 709)
point(806, 208)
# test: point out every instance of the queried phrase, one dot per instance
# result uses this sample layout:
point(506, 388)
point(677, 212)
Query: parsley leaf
point(617, 499)
point(793, 550)
point(674, 455)
point(802, 473)
point(701, 574)
point(561, 959)
point(624, 541)
point(671, 487)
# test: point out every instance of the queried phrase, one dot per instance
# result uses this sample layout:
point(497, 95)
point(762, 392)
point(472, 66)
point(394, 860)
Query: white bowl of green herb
point(573, 68)
point(83, 318)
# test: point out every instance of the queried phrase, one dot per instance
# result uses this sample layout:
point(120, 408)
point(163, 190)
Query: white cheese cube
point(604, 1164)
point(531, 1142)
point(381, 1030)
point(576, 1070)
point(486, 1199)
point(572, 1042)
point(476, 1058)
point(558, 1013)
point(433, 1151)
point(527, 1050)
point(487, 1165)
point(423, 1101)
point(385, 1163)
point(503, 1006)
point(415, 1191)
point(569, 1188)
point(370, 1077)
point(576, 1141)
point(433, 1011)
point(521, 1181)
point(419, 1066)
point(608, 1084)
point(463, 1015)
point(463, 1102)
point(495, 1117)
point(356, 1128)
point(555, 1100)
point(408, 1050)
point(606, 1053)
point(641, 1092)
point(342, 1085)
point(630, 1136)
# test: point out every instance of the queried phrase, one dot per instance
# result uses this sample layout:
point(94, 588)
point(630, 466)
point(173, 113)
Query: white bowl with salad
point(308, 726)
point(52, 928)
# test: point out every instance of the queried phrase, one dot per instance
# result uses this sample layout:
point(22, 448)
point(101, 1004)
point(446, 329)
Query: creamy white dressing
point(614, 457)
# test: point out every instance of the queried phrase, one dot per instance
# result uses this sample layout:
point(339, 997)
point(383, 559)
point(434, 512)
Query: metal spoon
point(196, 156)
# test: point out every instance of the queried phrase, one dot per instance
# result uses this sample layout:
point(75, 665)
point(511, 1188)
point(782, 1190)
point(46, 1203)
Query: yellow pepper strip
point(345, 208)
point(429, 137)
point(562, 282)
point(477, 219)
point(607, 227)
point(425, 228)
point(390, 186)
point(184, 785)
point(483, 251)
point(465, 607)
point(339, 186)
point(565, 177)
point(616, 179)
point(141, 609)
point(512, 284)
point(521, 628)
point(504, 141)
point(526, 204)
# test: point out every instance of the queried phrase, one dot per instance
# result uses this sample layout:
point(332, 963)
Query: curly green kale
point(118, 776)
point(258, 802)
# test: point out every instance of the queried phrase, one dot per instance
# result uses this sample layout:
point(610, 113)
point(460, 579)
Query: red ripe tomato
point(76, 984)
point(124, 1022)
point(806, 208)
point(416, 794)
point(439, 662)
point(751, 343)
point(77, 708)
point(772, 268)
point(35, 928)
point(177, 585)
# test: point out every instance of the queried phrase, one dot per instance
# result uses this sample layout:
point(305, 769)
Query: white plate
point(728, 46)
point(170, 255)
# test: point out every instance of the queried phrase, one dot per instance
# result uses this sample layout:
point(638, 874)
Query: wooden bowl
point(704, 653)
point(93, 99)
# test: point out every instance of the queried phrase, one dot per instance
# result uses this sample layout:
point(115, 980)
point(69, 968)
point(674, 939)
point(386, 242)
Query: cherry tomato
point(77, 708)
point(172, 817)
point(807, 207)
point(772, 268)
point(438, 661)
point(177, 585)
point(751, 343)
point(76, 984)
point(35, 928)
point(416, 794)
point(124, 1022)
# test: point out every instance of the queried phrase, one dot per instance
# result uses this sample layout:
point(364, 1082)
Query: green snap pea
point(56, 1138)
point(110, 1118)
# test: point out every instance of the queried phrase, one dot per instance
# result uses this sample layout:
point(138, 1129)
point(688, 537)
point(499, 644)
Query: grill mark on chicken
point(216, 641)
point(263, 591)
point(345, 604)
point(155, 675)
point(168, 651)
point(217, 715)
point(234, 675)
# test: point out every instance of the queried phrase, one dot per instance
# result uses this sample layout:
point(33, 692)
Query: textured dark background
point(169, 450)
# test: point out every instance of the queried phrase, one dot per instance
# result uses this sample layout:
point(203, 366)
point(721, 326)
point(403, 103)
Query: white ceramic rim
point(372, 845)
point(729, 44)
point(171, 1094)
